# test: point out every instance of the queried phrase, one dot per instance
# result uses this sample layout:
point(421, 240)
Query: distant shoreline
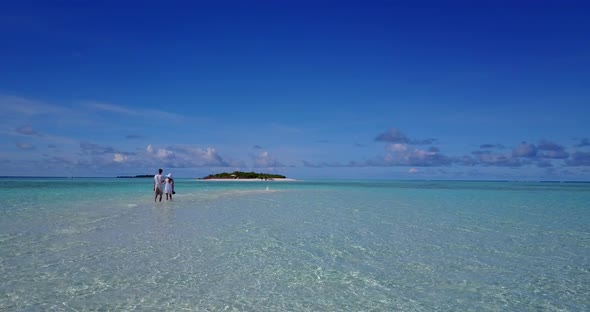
point(240, 175)
point(141, 176)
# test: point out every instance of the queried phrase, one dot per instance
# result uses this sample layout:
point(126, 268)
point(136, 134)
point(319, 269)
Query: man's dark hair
point(159, 170)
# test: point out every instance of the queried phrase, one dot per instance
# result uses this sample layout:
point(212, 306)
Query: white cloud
point(186, 156)
point(164, 154)
point(209, 155)
point(405, 155)
point(264, 160)
point(525, 150)
point(20, 105)
point(119, 158)
point(110, 108)
point(499, 160)
point(398, 147)
point(24, 146)
point(27, 130)
point(160, 153)
point(122, 110)
point(393, 135)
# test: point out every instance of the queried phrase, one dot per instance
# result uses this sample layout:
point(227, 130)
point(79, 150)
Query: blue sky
point(366, 89)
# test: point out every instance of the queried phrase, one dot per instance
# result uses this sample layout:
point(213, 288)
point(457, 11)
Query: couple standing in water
point(163, 185)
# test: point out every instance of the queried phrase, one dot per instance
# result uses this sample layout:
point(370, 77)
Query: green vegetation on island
point(137, 176)
point(244, 175)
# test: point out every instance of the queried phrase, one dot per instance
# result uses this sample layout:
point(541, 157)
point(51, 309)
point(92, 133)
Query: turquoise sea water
point(103, 244)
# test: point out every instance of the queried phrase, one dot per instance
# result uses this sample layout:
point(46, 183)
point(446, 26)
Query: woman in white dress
point(169, 187)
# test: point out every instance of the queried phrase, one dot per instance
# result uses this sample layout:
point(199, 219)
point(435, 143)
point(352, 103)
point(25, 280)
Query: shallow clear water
point(103, 244)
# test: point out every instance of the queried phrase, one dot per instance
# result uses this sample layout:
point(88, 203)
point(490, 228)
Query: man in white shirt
point(158, 181)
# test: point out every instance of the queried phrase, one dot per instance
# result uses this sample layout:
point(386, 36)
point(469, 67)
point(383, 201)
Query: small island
point(136, 176)
point(239, 175)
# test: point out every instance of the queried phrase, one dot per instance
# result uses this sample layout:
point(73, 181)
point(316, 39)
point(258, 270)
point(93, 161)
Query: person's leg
point(158, 193)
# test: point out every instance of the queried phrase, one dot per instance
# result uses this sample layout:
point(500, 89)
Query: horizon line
point(376, 179)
